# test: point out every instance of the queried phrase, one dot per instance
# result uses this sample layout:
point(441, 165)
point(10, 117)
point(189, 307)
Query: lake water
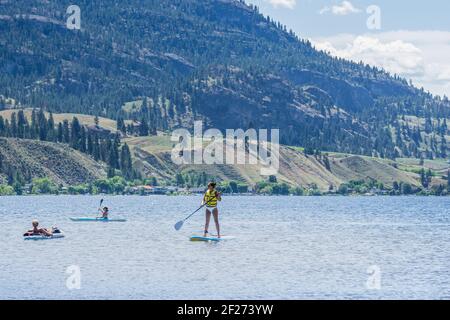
point(284, 248)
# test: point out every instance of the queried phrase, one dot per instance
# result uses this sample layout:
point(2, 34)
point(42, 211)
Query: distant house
point(196, 190)
point(169, 189)
point(149, 190)
point(27, 188)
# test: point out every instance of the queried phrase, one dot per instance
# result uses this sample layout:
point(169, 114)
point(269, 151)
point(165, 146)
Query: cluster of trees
point(114, 185)
point(192, 179)
point(6, 190)
point(398, 188)
point(107, 148)
point(425, 177)
point(360, 187)
point(150, 117)
point(271, 186)
point(234, 187)
point(322, 157)
point(37, 186)
point(413, 141)
point(118, 185)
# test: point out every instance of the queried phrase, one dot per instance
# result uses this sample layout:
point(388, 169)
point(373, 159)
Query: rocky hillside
point(36, 159)
point(171, 62)
point(153, 157)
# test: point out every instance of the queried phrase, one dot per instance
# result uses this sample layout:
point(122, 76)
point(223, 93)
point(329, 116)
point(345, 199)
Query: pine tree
point(126, 165)
point(7, 129)
point(113, 154)
point(121, 125)
point(75, 134)
point(423, 178)
point(82, 141)
point(42, 125)
point(2, 127)
point(204, 179)
point(22, 124)
point(179, 180)
point(443, 149)
point(105, 146)
point(51, 128)
point(448, 180)
point(34, 129)
point(144, 107)
point(96, 149)
point(111, 172)
point(326, 162)
point(60, 135)
point(115, 150)
point(13, 125)
point(90, 143)
point(130, 129)
point(428, 177)
point(153, 181)
point(66, 132)
point(396, 186)
point(143, 128)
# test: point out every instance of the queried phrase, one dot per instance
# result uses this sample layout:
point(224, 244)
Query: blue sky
point(410, 38)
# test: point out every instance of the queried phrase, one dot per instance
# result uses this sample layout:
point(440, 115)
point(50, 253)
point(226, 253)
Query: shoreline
point(232, 195)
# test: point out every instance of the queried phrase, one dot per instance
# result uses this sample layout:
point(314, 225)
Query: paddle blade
point(178, 225)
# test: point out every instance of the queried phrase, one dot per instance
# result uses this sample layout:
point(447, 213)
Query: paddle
point(99, 208)
point(179, 224)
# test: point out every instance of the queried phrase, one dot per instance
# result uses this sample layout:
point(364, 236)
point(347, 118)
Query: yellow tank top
point(211, 198)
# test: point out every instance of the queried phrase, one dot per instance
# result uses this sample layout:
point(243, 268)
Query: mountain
point(170, 62)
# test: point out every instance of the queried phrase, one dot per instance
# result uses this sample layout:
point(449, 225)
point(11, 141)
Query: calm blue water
point(285, 248)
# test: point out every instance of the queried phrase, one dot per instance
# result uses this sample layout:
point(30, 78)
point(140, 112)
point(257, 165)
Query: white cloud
point(418, 55)
point(324, 10)
point(343, 9)
point(396, 56)
point(290, 4)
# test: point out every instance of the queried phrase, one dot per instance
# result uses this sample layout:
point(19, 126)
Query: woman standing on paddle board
point(211, 197)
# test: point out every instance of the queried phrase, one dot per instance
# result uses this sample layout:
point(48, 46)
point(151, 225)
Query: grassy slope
point(60, 117)
point(152, 155)
point(58, 162)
